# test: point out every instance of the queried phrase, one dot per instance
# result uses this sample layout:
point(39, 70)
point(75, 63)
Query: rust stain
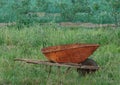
point(72, 53)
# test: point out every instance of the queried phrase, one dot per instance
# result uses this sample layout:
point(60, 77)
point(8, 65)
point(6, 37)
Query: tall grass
point(27, 42)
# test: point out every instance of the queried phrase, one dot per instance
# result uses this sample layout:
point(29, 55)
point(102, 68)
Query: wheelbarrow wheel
point(88, 62)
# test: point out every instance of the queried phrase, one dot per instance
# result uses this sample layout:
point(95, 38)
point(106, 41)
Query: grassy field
point(27, 42)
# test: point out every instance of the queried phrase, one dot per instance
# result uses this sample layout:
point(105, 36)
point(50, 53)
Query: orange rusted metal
point(72, 53)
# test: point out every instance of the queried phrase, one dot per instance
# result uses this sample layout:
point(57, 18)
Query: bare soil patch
point(88, 25)
point(71, 24)
point(7, 24)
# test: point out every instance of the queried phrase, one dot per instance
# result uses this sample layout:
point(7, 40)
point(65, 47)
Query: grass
point(27, 42)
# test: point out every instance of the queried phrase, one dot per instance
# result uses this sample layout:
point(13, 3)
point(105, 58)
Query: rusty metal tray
point(72, 53)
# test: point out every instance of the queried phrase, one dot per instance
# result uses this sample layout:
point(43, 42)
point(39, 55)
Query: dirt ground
point(7, 24)
point(88, 25)
point(71, 24)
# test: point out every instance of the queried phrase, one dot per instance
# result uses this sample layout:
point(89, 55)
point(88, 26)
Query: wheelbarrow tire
point(89, 62)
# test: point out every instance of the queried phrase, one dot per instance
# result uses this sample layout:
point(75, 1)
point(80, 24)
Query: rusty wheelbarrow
point(72, 55)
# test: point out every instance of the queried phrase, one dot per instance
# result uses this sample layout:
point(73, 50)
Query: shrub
point(23, 13)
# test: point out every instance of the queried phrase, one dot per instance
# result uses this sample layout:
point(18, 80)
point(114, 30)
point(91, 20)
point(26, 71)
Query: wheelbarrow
point(72, 55)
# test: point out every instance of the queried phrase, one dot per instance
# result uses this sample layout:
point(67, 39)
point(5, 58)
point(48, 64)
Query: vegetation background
point(26, 26)
point(29, 11)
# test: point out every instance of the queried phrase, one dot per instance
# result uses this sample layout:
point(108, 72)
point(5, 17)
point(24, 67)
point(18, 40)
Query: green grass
point(27, 42)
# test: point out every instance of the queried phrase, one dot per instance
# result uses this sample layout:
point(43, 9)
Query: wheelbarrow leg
point(59, 82)
point(63, 76)
point(67, 70)
point(49, 71)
